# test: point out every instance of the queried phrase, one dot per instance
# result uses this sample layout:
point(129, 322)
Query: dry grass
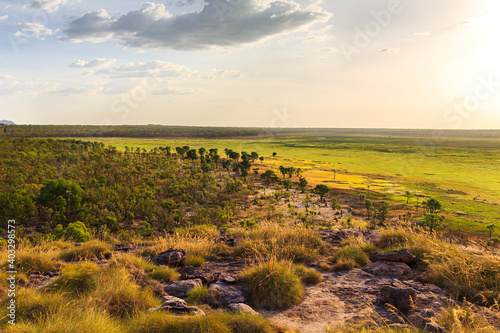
point(92, 250)
point(297, 244)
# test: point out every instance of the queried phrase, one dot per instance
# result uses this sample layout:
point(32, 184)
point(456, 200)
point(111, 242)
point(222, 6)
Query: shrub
point(77, 278)
point(88, 251)
point(76, 231)
point(273, 285)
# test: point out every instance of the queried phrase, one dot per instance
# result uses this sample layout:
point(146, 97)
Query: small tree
point(433, 222)
point(369, 207)
point(383, 212)
point(269, 177)
point(287, 183)
point(275, 154)
point(432, 205)
point(491, 228)
point(322, 190)
point(408, 195)
point(303, 184)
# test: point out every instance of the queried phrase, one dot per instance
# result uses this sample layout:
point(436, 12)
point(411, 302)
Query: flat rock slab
point(390, 269)
point(397, 256)
point(182, 288)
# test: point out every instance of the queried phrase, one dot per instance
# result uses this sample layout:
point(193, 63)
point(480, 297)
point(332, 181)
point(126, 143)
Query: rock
point(78, 244)
point(170, 257)
point(382, 268)
point(182, 288)
point(107, 255)
point(228, 280)
point(125, 247)
point(402, 298)
point(434, 328)
point(427, 314)
point(241, 308)
point(202, 273)
point(177, 306)
point(397, 256)
point(222, 294)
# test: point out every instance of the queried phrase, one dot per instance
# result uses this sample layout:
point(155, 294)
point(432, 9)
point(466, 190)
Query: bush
point(76, 231)
point(273, 285)
point(77, 278)
point(88, 251)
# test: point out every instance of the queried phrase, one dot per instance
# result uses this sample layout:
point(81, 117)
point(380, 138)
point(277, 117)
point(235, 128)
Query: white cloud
point(174, 91)
point(36, 30)
point(4, 17)
point(98, 62)
point(48, 5)
point(217, 24)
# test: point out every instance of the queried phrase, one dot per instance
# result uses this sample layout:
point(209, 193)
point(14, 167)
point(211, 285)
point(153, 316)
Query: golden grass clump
point(297, 244)
point(77, 279)
point(92, 250)
point(273, 285)
point(307, 275)
point(165, 274)
point(131, 262)
point(463, 319)
point(353, 253)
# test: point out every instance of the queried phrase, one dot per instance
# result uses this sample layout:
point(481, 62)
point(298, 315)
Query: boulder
point(170, 257)
point(401, 298)
point(222, 294)
point(177, 306)
point(202, 273)
point(241, 308)
point(397, 256)
point(382, 268)
point(182, 288)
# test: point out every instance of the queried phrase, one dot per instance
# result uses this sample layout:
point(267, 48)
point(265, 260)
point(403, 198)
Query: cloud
point(158, 68)
point(390, 50)
point(98, 62)
point(4, 17)
point(36, 30)
point(48, 5)
point(174, 91)
point(220, 23)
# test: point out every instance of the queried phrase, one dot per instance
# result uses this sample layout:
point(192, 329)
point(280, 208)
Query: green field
point(464, 174)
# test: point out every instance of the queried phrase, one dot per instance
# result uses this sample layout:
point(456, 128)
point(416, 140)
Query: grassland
point(464, 174)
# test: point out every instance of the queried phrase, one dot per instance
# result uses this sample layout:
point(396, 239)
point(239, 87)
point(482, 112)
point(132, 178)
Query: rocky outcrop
point(222, 295)
point(206, 275)
point(403, 299)
point(182, 288)
point(241, 308)
point(392, 269)
point(170, 257)
point(177, 306)
point(397, 256)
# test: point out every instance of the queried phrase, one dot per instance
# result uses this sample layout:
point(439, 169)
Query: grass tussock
point(307, 275)
point(273, 285)
point(198, 295)
point(164, 274)
point(216, 322)
point(197, 246)
point(117, 294)
point(465, 275)
point(77, 279)
point(92, 250)
point(353, 253)
point(70, 321)
point(131, 262)
point(463, 319)
point(296, 244)
point(34, 305)
point(203, 231)
point(192, 260)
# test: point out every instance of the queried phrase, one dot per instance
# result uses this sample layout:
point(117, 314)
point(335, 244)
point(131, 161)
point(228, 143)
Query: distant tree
point(322, 190)
point(383, 212)
point(302, 184)
point(369, 207)
point(408, 195)
point(432, 206)
point(491, 228)
point(283, 171)
point(269, 177)
point(254, 155)
point(433, 222)
point(61, 195)
point(202, 152)
point(494, 241)
point(256, 171)
point(275, 154)
point(290, 171)
point(287, 183)
point(192, 154)
point(261, 159)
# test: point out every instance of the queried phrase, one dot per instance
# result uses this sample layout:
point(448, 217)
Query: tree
point(408, 195)
point(432, 205)
point(322, 190)
point(269, 177)
point(433, 222)
point(192, 154)
point(254, 155)
point(290, 171)
point(302, 184)
point(369, 207)
point(383, 212)
point(275, 154)
point(491, 228)
point(261, 159)
point(61, 195)
point(287, 183)
point(202, 152)
point(494, 241)
point(283, 171)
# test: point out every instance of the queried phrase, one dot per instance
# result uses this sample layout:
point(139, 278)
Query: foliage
point(76, 231)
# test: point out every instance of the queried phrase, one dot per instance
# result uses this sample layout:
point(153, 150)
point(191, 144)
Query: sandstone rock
point(170, 257)
point(402, 298)
point(397, 256)
point(173, 301)
point(182, 288)
point(242, 308)
point(228, 280)
point(434, 328)
point(202, 273)
point(177, 306)
point(222, 294)
point(381, 268)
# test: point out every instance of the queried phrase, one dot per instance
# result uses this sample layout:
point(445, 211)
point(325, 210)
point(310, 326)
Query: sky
point(252, 63)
